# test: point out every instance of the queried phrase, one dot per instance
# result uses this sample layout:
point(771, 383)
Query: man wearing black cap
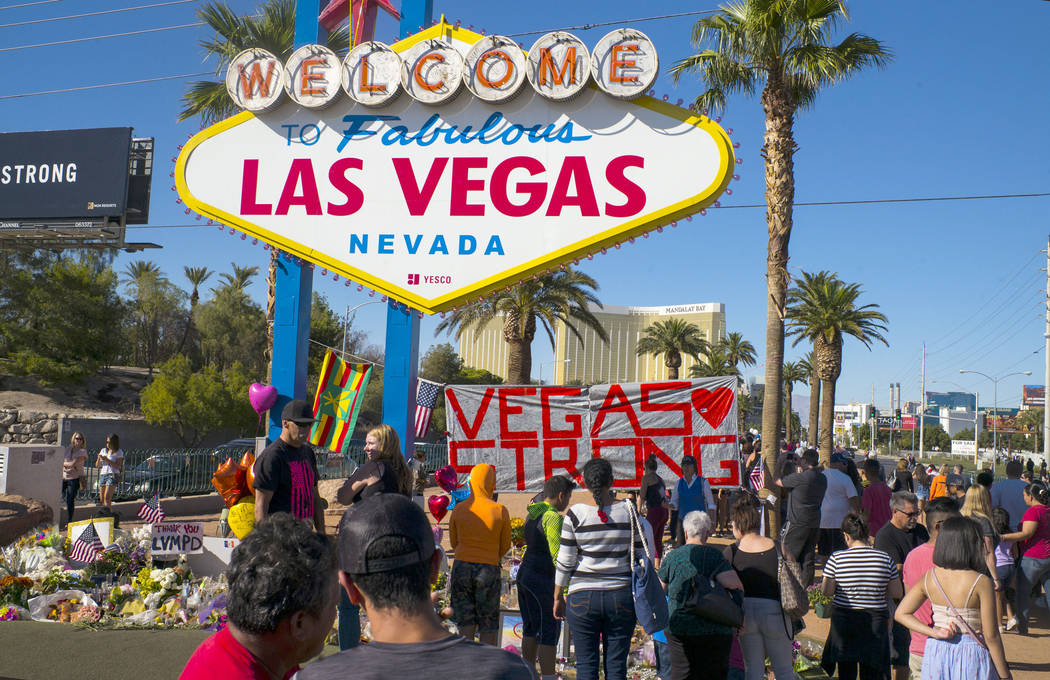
point(286, 473)
point(387, 562)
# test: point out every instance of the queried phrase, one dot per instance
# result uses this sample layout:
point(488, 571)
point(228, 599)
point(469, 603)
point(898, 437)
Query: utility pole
point(889, 451)
point(922, 398)
point(1046, 358)
point(873, 419)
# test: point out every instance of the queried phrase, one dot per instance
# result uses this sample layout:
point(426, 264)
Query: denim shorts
point(1004, 572)
point(106, 480)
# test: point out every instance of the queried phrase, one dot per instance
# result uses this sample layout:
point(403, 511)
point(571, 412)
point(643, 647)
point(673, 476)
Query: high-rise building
point(590, 361)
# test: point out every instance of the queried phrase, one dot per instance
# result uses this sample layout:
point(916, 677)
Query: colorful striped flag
point(88, 545)
point(426, 396)
point(340, 393)
point(151, 510)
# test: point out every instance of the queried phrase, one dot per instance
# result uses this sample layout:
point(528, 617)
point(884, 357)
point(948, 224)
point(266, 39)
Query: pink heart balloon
point(438, 506)
point(447, 478)
point(262, 397)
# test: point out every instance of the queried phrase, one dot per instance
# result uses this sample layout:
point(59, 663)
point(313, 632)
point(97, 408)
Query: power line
point(100, 37)
point(894, 200)
point(103, 85)
point(29, 4)
point(95, 14)
point(585, 27)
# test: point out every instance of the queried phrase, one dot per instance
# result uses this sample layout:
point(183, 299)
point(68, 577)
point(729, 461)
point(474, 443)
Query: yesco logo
point(624, 64)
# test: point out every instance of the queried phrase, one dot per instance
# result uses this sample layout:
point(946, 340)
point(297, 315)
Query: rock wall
point(28, 427)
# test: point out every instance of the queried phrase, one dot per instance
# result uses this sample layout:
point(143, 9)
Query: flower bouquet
point(517, 532)
point(821, 602)
point(15, 590)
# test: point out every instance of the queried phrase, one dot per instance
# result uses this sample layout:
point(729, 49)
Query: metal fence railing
point(185, 472)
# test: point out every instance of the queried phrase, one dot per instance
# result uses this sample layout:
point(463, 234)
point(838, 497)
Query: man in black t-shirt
point(286, 472)
point(897, 538)
point(807, 492)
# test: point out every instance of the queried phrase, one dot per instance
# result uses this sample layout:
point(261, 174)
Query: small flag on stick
point(151, 511)
point(88, 545)
point(426, 397)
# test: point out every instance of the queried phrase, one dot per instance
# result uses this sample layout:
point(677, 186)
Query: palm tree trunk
point(271, 300)
point(787, 414)
point(814, 408)
point(827, 419)
point(778, 150)
point(516, 374)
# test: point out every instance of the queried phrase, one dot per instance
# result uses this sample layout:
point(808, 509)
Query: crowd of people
point(918, 574)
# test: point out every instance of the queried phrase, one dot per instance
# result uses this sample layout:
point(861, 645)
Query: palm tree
point(738, 350)
point(196, 276)
point(784, 47)
point(823, 309)
point(792, 373)
point(140, 272)
point(241, 277)
point(672, 338)
point(549, 298)
point(714, 365)
point(806, 363)
point(272, 28)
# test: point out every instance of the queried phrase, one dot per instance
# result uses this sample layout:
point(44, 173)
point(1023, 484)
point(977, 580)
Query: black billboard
point(64, 174)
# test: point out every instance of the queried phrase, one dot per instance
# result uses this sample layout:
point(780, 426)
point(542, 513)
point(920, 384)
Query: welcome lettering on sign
point(532, 432)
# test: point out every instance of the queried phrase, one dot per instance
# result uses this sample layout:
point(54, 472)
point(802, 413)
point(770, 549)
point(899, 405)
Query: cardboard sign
point(103, 527)
point(530, 432)
point(177, 538)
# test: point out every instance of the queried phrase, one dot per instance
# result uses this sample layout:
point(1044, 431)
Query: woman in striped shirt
point(594, 562)
point(860, 579)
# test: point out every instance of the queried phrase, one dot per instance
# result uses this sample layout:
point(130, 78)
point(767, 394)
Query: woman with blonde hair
point(977, 505)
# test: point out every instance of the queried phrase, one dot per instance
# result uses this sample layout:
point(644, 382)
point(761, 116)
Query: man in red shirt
point(280, 606)
point(918, 562)
point(876, 499)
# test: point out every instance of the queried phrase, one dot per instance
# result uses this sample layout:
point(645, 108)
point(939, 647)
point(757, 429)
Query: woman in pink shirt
point(1035, 560)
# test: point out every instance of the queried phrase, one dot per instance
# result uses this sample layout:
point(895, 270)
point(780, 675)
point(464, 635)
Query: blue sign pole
point(294, 289)
point(402, 325)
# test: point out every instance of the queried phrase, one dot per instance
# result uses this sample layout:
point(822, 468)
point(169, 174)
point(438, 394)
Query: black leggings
point(69, 495)
point(848, 671)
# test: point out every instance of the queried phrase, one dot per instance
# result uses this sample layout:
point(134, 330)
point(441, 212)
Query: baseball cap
point(839, 458)
point(298, 411)
point(380, 516)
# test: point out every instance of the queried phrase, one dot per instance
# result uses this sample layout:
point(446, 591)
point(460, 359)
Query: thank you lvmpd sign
point(177, 538)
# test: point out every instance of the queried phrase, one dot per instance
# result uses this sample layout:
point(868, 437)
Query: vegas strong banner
point(532, 432)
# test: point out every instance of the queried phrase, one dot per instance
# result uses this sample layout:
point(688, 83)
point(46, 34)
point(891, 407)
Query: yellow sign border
point(479, 289)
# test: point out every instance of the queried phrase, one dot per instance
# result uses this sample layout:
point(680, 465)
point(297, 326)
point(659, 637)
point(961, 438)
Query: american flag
point(426, 396)
point(757, 477)
point(151, 510)
point(88, 545)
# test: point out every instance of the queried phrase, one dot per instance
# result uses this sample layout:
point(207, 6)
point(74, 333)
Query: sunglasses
point(909, 514)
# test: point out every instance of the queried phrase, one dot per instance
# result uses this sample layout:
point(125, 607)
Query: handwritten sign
point(532, 432)
point(177, 538)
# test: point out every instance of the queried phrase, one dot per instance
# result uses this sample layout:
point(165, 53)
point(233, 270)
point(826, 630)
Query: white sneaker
point(1012, 623)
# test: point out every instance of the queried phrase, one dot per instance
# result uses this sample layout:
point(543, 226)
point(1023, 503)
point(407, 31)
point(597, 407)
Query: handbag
point(793, 598)
point(650, 602)
point(710, 600)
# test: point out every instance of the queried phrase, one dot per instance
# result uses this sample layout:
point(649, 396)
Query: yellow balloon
point(242, 517)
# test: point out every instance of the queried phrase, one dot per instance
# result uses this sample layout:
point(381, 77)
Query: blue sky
point(960, 112)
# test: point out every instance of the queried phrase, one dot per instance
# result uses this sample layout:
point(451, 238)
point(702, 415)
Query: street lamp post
point(346, 319)
point(555, 364)
point(995, 404)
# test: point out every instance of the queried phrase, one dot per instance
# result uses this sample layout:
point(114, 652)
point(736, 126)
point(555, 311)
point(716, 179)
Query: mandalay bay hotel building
point(593, 362)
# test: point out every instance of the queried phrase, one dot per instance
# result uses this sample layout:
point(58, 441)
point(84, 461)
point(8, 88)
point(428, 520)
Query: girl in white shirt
point(111, 462)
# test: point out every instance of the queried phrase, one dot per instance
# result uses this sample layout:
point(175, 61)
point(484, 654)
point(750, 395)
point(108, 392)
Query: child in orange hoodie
point(479, 530)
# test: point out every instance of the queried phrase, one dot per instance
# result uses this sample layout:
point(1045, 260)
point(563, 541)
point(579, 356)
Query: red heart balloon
point(713, 405)
point(447, 478)
point(438, 506)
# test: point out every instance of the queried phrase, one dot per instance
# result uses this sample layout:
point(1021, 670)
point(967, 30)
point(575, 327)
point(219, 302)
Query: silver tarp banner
point(531, 432)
